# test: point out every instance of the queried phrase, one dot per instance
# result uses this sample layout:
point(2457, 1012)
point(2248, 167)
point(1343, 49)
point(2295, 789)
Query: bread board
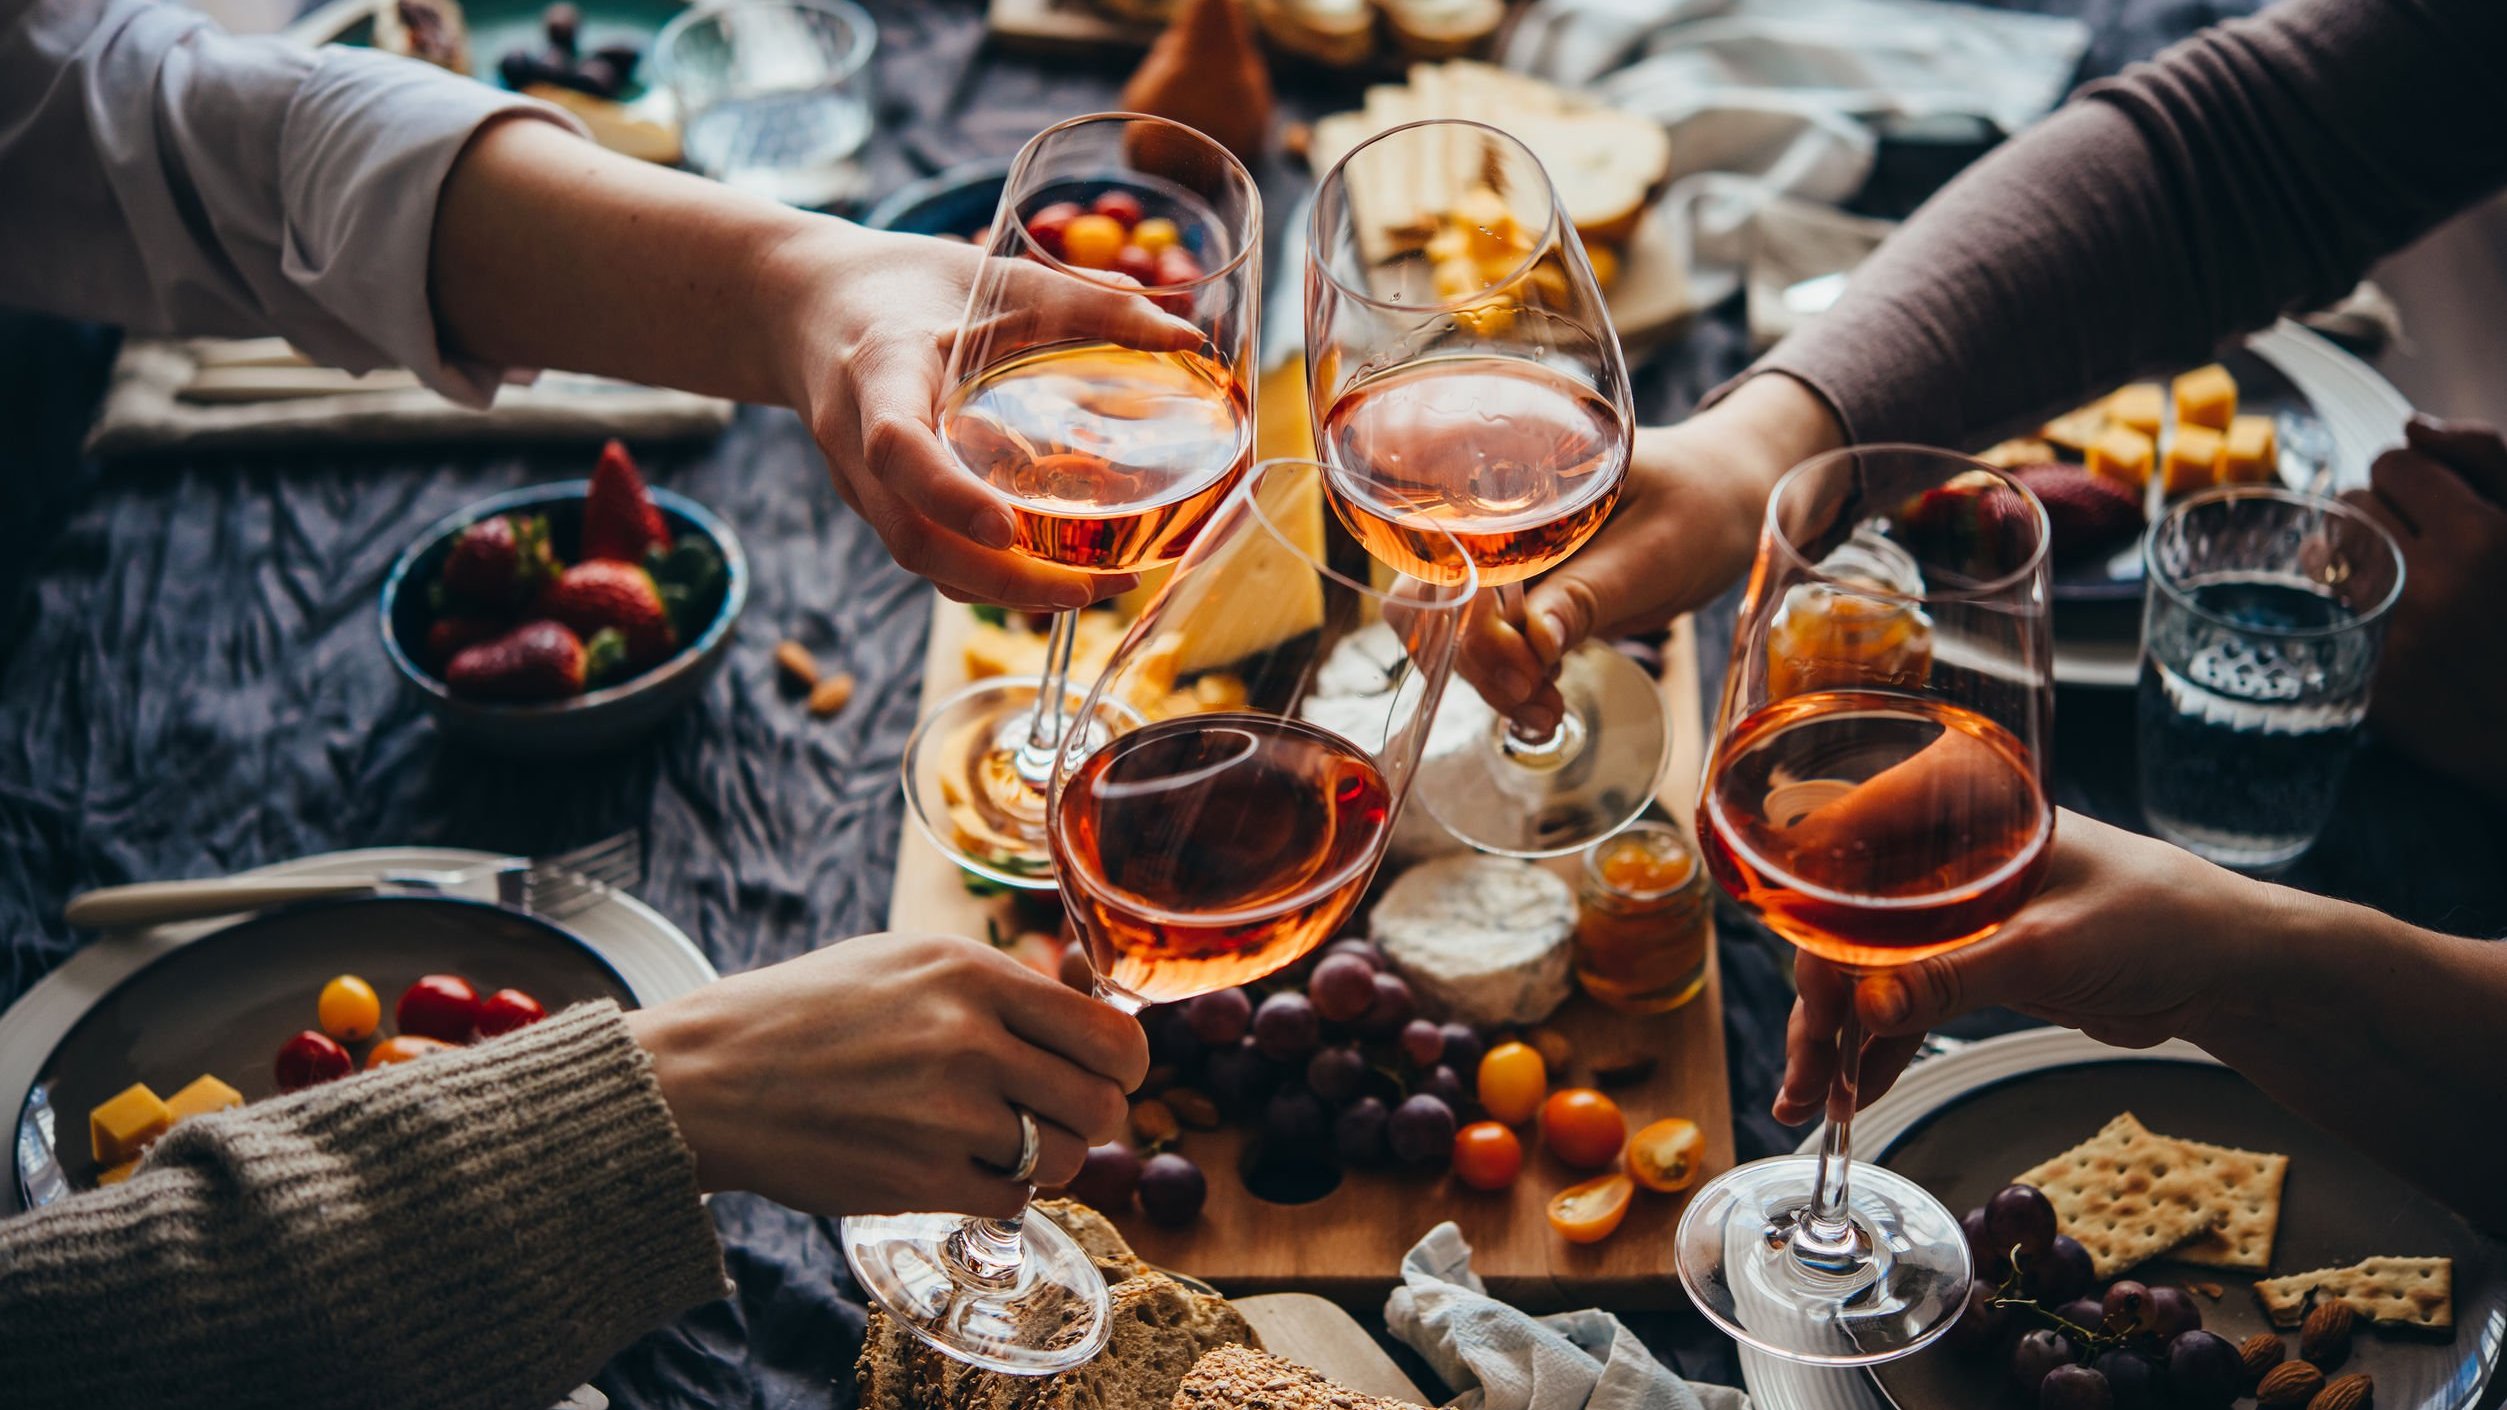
point(1312, 1332)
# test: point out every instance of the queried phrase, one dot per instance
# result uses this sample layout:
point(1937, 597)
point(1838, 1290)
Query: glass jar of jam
point(1643, 920)
point(1828, 636)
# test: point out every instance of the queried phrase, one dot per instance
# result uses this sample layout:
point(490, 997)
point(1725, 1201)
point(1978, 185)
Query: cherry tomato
point(438, 1006)
point(1666, 1155)
point(1122, 206)
point(402, 1049)
point(1512, 1082)
point(348, 1009)
point(310, 1058)
point(1583, 1127)
point(1487, 1156)
point(506, 1010)
point(1136, 263)
point(1156, 233)
point(1590, 1212)
point(1092, 241)
point(1176, 265)
point(1046, 226)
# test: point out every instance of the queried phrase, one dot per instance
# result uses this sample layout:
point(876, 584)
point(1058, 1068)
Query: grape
point(1107, 1177)
point(2133, 1379)
point(1989, 1264)
point(1171, 1189)
point(1342, 988)
point(2084, 1313)
point(1337, 1075)
point(1358, 1133)
point(2019, 1217)
point(1423, 1043)
point(2074, 1388)
point(2126, 1306)
point(1444, 1084)
point(1463, 1048)
point(2036, 1357)
point(1240, 1076)
point(1295, 1117)
point(2062, 1272)
point(1392, 1007)
point(1363, 949)
point(1171, 1035)
point(1421, 1130)
point(1981, 1324)
point(2172, 1313)
point(1286, 1027)
point(2203, 1370)
point(1220, 1018)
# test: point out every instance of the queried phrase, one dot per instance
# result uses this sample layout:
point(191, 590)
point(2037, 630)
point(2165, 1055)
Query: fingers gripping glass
point(1875, 794)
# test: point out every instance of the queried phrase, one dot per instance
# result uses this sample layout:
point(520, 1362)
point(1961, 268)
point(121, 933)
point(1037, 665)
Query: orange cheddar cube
point(2123, 455)
point(2192, 461)
point(121, 1128)
point(2206, 396)
point(205, 1094)
point(2142, 406)
point(2252, 454)
point(117, 1174)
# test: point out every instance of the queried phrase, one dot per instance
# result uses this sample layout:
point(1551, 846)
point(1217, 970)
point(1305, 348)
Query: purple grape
point(2062, 1272)
point(1286, 1027)
point(1989, 1264)
point(1337, 1075)
point(2035, 1357)
point(2074, 1388)
point(1241, 1077)
point(1172, 1189)
point(1445, 1085)
point(1981, 1324)
point(1352, 945)
point(2172, 1313)
point(1171, 1036)
point(1220, 1018)
point(1358, 1133)
point(2085, 1313)
point(2126, 1306)
point(2204, 1372)
point(1463, 1048)
point(1342, 988)
point(2019, 1217)
point(1423, 1043)
point(1294, 1117)
point(1392, 1007)
point(1421, 1131)
point(1107, 1178)
point(2133, 1380)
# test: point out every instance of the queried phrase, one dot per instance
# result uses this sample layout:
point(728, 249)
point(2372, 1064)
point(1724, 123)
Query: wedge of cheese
point(205, 1094)
point(2142, 406)
point(1255, 592)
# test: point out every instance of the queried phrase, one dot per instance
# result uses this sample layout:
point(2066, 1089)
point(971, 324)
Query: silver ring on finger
point(1030, 1147)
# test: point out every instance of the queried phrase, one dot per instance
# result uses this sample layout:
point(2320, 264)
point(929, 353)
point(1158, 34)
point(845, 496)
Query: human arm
point(2381, 1032)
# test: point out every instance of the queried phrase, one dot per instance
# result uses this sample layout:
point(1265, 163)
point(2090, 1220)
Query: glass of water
point(2260, 634)
point(774, 95)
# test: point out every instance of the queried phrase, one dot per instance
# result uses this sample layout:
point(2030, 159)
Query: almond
point(1557, 1053)
point(2288, 1386)
point(1153, 1121)
point(830, 695)
point(2261, 1352)
point(2352, 1392)
point(1192, 1108)
point(2324, 1338)
point(797, 664)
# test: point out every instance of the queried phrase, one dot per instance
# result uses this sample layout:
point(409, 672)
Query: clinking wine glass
point(1110, 454)
point(1876, 794)
point(1465, 378)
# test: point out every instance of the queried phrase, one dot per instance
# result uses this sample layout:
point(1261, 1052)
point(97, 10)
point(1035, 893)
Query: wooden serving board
point(1311, 1332)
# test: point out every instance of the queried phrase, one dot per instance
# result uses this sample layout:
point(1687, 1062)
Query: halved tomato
point(1667, 1155)
point(1590, 1212)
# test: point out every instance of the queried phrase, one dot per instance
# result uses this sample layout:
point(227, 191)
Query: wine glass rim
point(1449, 596)
point(2035, 563)
point(2326, 505)
point(1246, 248)
point(1551, 231)
point(857, 54)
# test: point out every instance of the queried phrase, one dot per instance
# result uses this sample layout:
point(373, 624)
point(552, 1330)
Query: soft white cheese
point(1482, 940)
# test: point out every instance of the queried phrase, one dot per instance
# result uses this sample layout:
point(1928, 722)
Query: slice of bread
point(1241, 1378)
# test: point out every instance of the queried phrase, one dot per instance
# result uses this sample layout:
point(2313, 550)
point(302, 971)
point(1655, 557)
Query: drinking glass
point(1109, 457)
point(774, 95)
point(1872, 806)
point(1464, 377)
point(2260, 635)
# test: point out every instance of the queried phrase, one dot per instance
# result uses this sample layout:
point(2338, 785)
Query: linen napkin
point(1501, 1358)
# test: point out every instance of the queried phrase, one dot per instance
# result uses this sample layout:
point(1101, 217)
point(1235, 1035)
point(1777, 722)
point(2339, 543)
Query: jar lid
point(1645, 861)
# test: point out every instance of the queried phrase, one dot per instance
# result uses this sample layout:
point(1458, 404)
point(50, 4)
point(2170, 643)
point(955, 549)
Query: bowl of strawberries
point(566, 618)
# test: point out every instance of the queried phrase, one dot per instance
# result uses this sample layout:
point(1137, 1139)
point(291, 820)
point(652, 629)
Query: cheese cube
point(2142, 406)
point(2123, 455)
point(117, 1174)
point(2077, 430)
point(2193, 460)
point(205, 1094)
point(2206, 396)
point(121, 1128)
point(2252, 455)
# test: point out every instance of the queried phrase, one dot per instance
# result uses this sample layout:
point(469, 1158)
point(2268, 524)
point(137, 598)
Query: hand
point(1685, 529)
point(863, 354)
point(2443, 497)
point(878, 1076)
point(2131, 941)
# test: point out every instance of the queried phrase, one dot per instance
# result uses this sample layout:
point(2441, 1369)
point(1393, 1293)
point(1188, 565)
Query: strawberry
point(497, 563)
point(449, 636)
point(605, 595)
point(2084, 512)
point(620, 520)
point(539, 660)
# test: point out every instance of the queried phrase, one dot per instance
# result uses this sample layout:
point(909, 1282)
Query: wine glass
point(1876, 794)
point(1287, 687)
point(1464, 377)
point(1109, 455)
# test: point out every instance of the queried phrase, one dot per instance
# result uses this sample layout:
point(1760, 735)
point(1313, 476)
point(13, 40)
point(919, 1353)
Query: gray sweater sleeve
point(480, 1228)
point(2256, 168)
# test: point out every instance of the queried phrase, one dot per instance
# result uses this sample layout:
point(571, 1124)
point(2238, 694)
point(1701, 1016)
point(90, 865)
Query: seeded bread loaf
point(1241, 1378)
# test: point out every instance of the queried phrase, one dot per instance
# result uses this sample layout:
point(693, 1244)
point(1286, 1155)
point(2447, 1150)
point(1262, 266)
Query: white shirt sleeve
point(159, 173)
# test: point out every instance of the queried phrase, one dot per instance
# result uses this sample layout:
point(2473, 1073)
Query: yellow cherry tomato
point(1155, 234)
point(1590, 1212)
point(1092, 241)
point(1512, 1082)
point(1583, 1127)
point(1667, 1155)
point(406, 1047)
point(349, 1009)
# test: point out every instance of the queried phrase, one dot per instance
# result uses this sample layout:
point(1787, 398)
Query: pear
point(1206, 73)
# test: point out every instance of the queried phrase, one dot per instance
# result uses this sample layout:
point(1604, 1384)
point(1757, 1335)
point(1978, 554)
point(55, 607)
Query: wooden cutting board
point(1311, 1332)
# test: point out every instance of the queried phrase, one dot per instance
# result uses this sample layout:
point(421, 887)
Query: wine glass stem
point(1046, 726)
point(990, 1249)
point(1510, 609)
point(1825, 1236)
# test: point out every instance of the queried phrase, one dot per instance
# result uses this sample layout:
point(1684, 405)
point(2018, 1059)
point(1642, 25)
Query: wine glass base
point(968, 789)
point(1048, 1312)
point(1596, 776)
point(1903, 1285)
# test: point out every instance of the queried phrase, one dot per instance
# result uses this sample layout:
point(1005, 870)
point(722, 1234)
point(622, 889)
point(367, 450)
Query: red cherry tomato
point(1487, 1156)
point(1045, 227)
point(310, 1058)
point(1176, 265)
point(1136, 263)
point(440, 1006)
point(1122, 205)
point(402, 1049)
point(1583, 1127)
point(506, 1010)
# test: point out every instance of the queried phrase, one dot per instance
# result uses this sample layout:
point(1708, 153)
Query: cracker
point(2245, 1196)
point(2127, 1195)
point(2407, 1292)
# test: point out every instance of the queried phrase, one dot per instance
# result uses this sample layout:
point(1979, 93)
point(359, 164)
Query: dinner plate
point(497, 26)
point(1962, 1124)
point(164, 1005)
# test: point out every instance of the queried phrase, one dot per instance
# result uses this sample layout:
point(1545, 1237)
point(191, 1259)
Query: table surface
point(190, 684)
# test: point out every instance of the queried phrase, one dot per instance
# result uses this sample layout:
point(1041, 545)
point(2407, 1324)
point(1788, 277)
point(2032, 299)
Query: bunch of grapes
point(2034, 1301)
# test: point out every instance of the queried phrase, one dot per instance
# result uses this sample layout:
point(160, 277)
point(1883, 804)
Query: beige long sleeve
point(481, 1228)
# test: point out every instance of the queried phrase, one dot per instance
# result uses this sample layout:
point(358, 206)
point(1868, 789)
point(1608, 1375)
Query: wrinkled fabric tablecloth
point(190, 683)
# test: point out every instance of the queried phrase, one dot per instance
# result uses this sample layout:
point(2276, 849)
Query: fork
point(555, 887)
